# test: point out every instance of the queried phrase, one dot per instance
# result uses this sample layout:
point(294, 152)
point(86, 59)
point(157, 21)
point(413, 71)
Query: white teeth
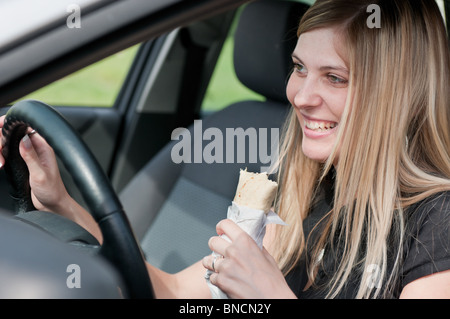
point(319, 126)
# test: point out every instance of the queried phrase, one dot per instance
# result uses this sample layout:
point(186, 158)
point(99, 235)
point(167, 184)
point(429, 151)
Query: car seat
point(173, 208)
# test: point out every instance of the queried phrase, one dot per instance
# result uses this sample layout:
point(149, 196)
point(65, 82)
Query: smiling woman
point(369, 185)
point(364, 174)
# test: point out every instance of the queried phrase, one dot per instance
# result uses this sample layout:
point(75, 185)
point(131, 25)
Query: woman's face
point(317, 89)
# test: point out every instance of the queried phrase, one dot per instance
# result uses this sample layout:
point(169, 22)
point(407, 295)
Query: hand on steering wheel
point(47, 189)
point(119, 244)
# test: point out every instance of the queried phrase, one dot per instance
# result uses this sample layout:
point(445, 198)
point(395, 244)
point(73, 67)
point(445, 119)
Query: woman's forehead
point(321, 46)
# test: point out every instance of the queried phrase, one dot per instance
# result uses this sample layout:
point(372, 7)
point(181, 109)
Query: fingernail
point(26, 142)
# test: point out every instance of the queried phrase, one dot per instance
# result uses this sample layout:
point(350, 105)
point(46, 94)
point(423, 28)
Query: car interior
point(172, 207)
point(182, 202)
point(185, 201)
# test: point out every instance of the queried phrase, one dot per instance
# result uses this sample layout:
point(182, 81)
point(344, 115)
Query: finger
point(2, 160)
point(29, 155)
point(207, 262)
point(213, 279)
point(2, 120)
point(218, 245)
point(212, 262)
point(31, 131)
point(229, 228)
point(40, 145)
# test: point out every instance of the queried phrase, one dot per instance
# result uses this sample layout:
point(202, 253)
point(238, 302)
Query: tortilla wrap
point(255, 190)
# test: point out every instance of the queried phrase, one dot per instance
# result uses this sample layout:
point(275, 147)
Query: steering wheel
point(119, 246)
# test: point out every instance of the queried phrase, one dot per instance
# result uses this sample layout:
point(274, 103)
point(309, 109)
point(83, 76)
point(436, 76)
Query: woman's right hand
point(47, 188)
point(48, 192)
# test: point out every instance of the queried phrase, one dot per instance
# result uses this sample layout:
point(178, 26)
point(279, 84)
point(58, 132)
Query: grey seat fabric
point(174, 208)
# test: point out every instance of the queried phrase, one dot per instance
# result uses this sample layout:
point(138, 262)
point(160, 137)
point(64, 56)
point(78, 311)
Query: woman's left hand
point(244, 271)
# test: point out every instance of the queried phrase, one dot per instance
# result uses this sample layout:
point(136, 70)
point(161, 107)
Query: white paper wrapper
point(253, 222)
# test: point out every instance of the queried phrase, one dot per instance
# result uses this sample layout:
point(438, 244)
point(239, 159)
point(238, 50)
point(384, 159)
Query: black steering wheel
point(119, 246)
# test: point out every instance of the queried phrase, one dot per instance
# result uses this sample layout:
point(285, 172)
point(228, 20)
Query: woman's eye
point(336, 79)
point(300, 68)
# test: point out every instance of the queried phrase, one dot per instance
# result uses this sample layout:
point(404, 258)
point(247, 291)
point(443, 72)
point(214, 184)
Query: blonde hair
point(393, 139)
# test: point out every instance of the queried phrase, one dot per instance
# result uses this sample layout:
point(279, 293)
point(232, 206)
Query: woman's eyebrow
point(335, 68)
point(294, 56)
point(325, 67)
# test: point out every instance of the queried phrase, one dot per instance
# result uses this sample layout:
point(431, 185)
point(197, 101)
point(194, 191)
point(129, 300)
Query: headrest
point(264, 41)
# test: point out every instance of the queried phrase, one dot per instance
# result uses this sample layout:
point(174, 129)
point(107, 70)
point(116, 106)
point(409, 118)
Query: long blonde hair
point(393, 139)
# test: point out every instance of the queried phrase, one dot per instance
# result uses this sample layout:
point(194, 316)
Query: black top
point(426, 247)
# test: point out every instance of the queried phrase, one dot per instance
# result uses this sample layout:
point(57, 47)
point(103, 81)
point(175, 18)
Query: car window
point(97, 85)
point(224, 87)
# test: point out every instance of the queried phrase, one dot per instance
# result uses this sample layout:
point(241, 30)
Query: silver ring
point(32, 132)
point(213, 263)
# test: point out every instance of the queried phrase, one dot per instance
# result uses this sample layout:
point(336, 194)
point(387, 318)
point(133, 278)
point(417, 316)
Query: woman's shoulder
point(429, 217)
point(427, 237)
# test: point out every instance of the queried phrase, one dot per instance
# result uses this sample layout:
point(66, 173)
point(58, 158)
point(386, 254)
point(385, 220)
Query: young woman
point(364, 173)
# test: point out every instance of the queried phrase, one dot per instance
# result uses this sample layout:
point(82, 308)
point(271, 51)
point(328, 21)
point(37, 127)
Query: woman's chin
point(317, 153)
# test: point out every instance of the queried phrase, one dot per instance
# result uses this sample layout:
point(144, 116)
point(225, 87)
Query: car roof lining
point(30, 21)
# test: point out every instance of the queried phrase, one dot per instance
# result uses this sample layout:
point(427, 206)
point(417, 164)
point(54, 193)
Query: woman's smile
point(315, 128)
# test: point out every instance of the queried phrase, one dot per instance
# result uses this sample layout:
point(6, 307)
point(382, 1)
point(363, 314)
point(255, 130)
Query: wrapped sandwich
point(251, 210)
point(255, 191)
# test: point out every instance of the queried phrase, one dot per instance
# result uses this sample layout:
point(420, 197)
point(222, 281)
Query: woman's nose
point(307, 94)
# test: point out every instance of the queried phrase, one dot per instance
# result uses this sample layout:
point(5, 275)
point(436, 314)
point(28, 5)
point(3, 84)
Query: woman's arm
point(189, 283)
point(435, 286)
point(49, 194)
point(71, 209)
